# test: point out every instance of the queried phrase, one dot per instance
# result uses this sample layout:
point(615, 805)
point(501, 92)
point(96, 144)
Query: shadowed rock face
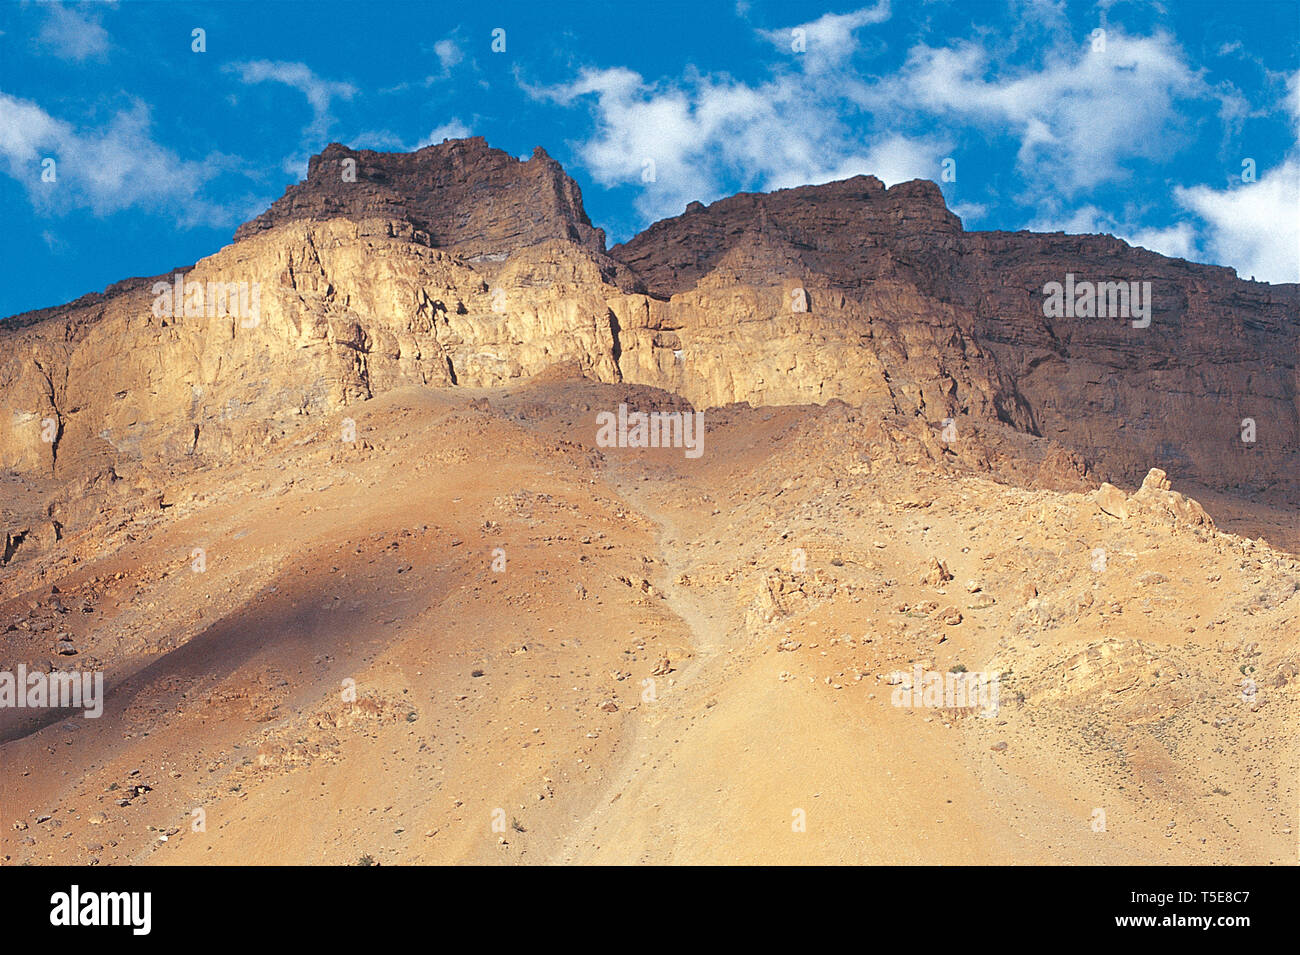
point(459, 265)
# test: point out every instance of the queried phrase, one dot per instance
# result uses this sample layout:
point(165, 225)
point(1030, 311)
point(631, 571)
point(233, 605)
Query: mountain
point(335, 518)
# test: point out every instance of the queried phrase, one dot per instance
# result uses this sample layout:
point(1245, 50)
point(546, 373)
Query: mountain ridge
point(460, 264)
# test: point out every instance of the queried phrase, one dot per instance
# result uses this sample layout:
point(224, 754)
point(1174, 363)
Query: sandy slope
point(518, 699)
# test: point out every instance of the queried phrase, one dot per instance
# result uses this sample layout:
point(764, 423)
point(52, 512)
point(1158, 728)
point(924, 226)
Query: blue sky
point(1148, 130)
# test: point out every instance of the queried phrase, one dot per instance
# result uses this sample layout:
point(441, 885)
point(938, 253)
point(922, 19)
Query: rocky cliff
point(460, 265)
point(901, 300)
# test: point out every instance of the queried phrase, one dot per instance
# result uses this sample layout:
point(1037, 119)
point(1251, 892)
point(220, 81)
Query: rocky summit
point(418, 525)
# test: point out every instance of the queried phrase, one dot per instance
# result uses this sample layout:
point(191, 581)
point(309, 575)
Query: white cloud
point(1077, 118)
point(1178, 241)
point(694, 139)
point(71, 35)
point(891, 159)
point(319, 92)
point(969, 212)
point(386, 140)
point(448, 53)
point(830, 39)
point(896, 158)
point(380, 140)
point(1293, 99)
point(452, 129)
point(1085, 220)
point(106, 170)
point(691, 141)
point(1253, 227)
point(54, 242)
point(1084, 114)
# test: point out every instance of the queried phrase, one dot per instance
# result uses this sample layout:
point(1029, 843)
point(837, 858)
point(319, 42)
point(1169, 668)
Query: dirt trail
point(732, 762)
point(650, 738)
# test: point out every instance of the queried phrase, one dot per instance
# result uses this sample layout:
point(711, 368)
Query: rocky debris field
point(475, 635)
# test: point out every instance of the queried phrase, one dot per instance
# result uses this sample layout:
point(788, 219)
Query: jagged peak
point(440, 189)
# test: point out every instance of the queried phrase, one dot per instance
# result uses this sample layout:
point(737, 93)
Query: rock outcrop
point(1154, 500)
